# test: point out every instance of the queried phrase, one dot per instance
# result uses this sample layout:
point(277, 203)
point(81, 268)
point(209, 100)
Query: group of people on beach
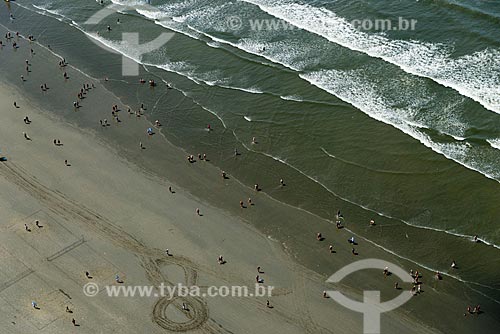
point(476, 310)
point(191, 159)
point(37, 224)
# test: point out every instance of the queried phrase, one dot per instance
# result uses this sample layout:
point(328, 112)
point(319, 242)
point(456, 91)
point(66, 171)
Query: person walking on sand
point(198, 211)
point(66, 162)
point(27, 228)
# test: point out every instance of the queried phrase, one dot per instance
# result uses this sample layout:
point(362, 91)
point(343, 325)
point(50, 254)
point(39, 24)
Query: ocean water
point(402, 126)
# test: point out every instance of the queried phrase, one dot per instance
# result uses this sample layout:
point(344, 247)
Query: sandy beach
point(108, 211)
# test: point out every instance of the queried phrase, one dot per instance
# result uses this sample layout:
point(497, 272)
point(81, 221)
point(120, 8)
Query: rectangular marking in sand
point(51, 301)
point(47, 240)
point(12, 269)
point(84, 258)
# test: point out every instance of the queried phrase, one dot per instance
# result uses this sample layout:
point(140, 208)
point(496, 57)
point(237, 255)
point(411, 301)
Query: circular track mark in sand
point(197, 314)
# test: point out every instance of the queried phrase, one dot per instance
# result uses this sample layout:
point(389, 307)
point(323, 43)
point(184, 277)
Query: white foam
point(430, 268)
point(253, 47)
point(476, 76)
point(214, 44)
point(180, 68)
point(356, 90)
point(295, 98)
point(495, 143)
point(47, 9)
point(360, 205)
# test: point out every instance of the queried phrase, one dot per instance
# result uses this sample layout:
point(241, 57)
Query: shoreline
point(200, 173)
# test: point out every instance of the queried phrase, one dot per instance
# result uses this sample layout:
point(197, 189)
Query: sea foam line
point(373, 169)
point(380, 214)
point(469, 75)
point(377, 110)
point(455, 234)
point(432, 269)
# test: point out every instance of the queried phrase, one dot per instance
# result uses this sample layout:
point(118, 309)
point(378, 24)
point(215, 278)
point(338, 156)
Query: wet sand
point(110, 213)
